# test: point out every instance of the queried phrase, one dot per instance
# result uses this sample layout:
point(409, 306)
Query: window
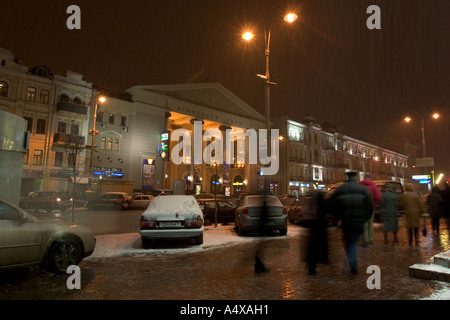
point(41, 125)
point(112, 117)
point(71, 160)
point(110, 141)
point(64, 98)
point(25, 158)
point(4, 89)
point(123, 121)
point(77, 100)
point(100, 116)
point(62, 127)
point(116, 144)
point(103, 143)
point(37, 157)
point(59, 158)
point(29, 123)
point(31, 94)
point(44, 96)
point(74, 129)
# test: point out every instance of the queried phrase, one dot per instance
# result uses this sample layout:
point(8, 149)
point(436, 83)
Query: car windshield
point(173, 204)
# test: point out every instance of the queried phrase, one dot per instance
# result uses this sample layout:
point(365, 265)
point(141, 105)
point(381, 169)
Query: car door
point(20, 236)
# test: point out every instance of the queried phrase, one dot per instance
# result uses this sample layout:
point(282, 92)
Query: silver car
point(249, 216)
point(27, 241)
point(172, 217)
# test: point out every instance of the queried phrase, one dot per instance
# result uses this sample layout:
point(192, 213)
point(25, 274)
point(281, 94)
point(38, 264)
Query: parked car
point(225, 211)
point(248, 216)
point(116, 200)
point(26, 241)
point(141, 201)
point(172, 217)
point(204, 196)
point(47, 200)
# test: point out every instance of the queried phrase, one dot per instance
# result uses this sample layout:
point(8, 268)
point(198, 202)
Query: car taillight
point(196, 222)
point(147, 224)
point(245, 210)
point(284, 210)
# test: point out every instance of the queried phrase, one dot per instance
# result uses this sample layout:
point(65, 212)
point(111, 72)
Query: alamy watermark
point(214, 151)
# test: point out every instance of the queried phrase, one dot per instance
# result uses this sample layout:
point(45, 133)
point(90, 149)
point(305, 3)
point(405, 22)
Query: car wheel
point(48, 210)
point(199, 239)
point(63, 254)
point(118, 206)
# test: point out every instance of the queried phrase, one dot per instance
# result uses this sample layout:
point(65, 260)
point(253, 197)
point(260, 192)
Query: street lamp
point(248, 36)
point(93, 131)
point(409, 119)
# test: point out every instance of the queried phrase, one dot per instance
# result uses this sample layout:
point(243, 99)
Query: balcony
point(72, 108)
point(62, 139)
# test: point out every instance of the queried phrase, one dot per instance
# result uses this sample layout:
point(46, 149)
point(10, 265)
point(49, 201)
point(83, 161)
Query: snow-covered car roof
point(174, 204)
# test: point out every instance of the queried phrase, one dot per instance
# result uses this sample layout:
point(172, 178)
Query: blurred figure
point(259, 265)
point(413, 208)
point(389, 212)
point(446, 197)
point(353, 204)
point(435, 207)
point(318, 241)
point(376, 197)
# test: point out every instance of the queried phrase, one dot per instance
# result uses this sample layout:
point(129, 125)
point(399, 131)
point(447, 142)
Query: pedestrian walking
point(446, 197)
point(413, 207)
point(389, 212)
point(376, 197)
point(353, 204)
point(435, 204)
point(318, 240)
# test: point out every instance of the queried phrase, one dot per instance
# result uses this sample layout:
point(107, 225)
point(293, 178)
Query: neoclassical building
point(313, 157)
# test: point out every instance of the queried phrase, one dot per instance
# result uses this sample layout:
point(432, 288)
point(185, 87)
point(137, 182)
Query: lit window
point(116, 144)
point(110, 144)
point(103, 143)
point(37, 157)
point(4, 89)
point(44, 96)
point(31, 94)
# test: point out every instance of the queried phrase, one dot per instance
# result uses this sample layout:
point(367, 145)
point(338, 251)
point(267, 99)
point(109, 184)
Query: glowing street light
point(248, 35)
point(100, 99)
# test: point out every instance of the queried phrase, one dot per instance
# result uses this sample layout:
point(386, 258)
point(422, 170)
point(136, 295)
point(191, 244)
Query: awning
point(80, 180)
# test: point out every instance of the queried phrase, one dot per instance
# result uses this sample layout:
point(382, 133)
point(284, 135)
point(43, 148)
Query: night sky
point(328, 64)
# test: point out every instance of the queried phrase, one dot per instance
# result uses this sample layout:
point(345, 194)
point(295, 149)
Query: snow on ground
point(213, 237)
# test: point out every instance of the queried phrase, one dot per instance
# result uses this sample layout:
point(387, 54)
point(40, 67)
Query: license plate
point(170, 224)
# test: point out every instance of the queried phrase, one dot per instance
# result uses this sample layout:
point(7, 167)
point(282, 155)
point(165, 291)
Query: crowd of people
point(354, 203)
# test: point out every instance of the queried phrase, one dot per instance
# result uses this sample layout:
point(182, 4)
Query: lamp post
point(93, 131)
point(248, 36)
point(422, 125)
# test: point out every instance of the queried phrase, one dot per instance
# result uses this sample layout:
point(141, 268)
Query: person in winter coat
point(376, 196)
point(435, 207)
point(446, 196)
point(318, 240)
point(353, 204)
point(413, 207)
point(389, 212)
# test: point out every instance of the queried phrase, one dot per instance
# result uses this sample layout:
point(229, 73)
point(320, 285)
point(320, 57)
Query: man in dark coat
point(354, 205)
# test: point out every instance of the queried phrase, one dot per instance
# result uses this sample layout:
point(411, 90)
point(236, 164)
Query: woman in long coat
point(413, 207)
point(389, 212)
point(435, 207)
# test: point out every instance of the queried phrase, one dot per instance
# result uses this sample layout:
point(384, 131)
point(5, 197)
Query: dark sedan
point(225, 211)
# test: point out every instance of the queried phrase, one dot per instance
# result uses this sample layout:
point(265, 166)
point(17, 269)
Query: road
point(223, 270)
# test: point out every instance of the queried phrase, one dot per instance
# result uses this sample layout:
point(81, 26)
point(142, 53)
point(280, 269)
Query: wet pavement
point(226, 273)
